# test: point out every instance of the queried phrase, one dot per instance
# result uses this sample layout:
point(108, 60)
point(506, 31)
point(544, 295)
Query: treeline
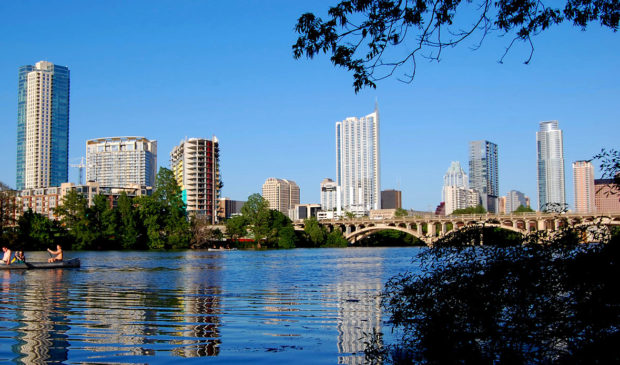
point(158, 221)
point(269, 228)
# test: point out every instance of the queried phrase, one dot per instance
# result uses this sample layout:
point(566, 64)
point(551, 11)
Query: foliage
point(523, 209)
point(286, 237)
point(335, 238)
point(236, 227)
point(203, 233)
point(478, 209)
point(400, 212)
point(316, 233)
point(551, 301)
point(36, 233)
point(256, 211)
point(610, 166)
point(374, 38)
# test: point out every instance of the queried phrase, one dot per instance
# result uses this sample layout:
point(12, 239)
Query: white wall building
point(121, 161)
point(357, 163)
point(514, 199)
point(329, 191)
point(281, 194)
point(550, 151)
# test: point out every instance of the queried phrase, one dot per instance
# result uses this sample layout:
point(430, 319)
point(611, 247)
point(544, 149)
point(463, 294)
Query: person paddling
point(6, 259)
point(58, 254)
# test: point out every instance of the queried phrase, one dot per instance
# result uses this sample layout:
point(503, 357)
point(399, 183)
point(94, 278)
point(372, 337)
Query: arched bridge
point(429, 228)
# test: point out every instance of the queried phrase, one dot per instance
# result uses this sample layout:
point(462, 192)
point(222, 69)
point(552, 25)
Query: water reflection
point(42, 319)
point(302, 306)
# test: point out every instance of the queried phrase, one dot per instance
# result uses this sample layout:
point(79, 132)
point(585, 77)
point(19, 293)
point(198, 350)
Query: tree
point(129, 228)
point(374, 38)
point(256, 211)
point(523, 209)
point(400, 212)
point(335, 238)
point(315, 231)
point(73, 217)
point(236, 227)
point(286, 237)
point(36, 232)
point(478, 209)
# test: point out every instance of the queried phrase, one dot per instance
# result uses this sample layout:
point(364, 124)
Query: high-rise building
point(195, 163)
point(456, 193)
point(607, 196)
point(329, 194)
point(583, 178)
point(483, 173)
point(459, 198)
point(550, 151)
point(357, 163)
point(281, 194)
point(391, 199)
point(42, 126)
point(228, 208)
point(514, 199)
point(121, 161)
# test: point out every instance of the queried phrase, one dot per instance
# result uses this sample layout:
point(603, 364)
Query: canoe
point(43, 265)
point(221, 249)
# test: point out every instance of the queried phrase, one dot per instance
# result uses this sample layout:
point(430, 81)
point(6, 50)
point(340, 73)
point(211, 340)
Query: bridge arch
point(367, 231)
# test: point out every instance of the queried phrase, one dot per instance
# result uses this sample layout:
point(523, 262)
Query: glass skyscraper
point(42, 126)
point(483, 173)
point(550, 149)
point(357, 163)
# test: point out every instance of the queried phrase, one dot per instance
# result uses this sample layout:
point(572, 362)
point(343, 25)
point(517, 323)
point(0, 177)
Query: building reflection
point(359, 310)
point(43, 322)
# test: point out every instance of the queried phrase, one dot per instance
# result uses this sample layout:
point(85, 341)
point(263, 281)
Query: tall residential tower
point(121, 161)
point(195, 163)
point(357, 163)
point(583, 178)
point(550, 151)
point(483, 173)
point(42, 126)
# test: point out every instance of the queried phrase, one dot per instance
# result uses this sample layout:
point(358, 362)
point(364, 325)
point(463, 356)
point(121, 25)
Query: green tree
point(400, 212)
point(169, 228)
point(523, 209)
point(236, 227)
point(128, 225)
point(336, 239)
point(374, 38)
point(316, 232)
point(36, 232)
point(277, 222)
point(286, 237)
point(478, 209)
point(73, 216)
point(256, 211)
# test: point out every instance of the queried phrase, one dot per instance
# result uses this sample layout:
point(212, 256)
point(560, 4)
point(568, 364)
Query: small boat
point(43, 265)
point(221, 249)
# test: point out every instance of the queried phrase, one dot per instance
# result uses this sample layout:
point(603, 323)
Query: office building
point(195, 163)
point(229, 208)
point(42, 126)
point(515, 199)
point(329, 195)
point(484, 173)
point(607, 196)
point(459, 198)
point(281, 194)
point(550, 151)
point(391, 199)
point(357, 163)
point(121, 161)
point(305, 211)
point(583, 179)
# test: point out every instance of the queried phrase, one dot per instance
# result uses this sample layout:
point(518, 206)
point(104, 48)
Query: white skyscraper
point(456, 193)
point(550, 149)
point(121, 161)
point(329, 190)
point(357, 163)
point(281, 194)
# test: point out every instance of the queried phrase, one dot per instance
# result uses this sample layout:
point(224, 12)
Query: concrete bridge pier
point(444, 228)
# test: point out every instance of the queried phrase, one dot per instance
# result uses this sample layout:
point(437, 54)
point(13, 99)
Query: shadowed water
point(303, 306)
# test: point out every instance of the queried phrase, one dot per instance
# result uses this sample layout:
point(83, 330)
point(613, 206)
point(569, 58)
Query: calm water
point(303, 306)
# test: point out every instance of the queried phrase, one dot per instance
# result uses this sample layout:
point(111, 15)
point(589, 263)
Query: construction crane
point(81, 167)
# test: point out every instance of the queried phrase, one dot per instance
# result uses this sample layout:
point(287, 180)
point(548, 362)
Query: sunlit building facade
point(42, 126)
point(583, 180)
point(195, 163)
point(121, 161)
point(484, 173)
point(357, 163)
point(550, 151)
point(282, 195)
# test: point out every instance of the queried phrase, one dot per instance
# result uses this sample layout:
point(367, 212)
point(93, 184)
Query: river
point(302, 306)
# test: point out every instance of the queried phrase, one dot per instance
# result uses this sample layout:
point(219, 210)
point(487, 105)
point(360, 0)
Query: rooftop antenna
point(81, 167)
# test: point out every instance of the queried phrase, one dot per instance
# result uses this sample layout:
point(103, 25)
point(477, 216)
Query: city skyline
point(129, 76)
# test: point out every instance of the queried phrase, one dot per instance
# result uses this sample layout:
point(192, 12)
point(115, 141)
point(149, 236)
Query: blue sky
point(168, 70)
